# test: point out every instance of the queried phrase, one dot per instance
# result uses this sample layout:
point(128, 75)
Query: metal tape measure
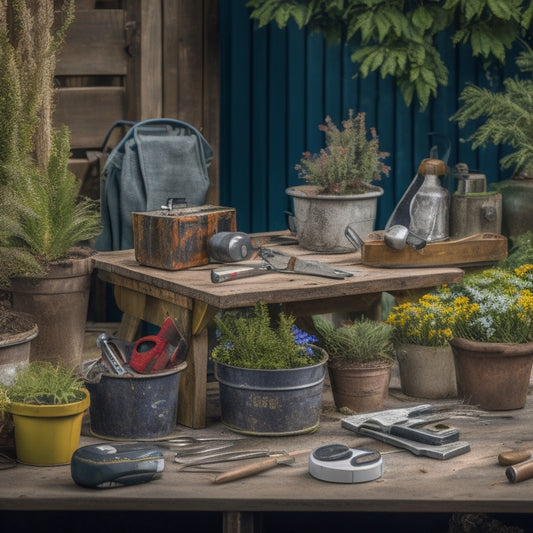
point(338, 463)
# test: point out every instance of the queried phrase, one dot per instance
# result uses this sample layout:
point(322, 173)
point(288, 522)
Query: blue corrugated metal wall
point(278, 86)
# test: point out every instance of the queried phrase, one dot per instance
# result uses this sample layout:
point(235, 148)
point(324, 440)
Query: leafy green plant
point(253, 340)
point(507, 116)
point(361, 341)
point(349, 161)
point(41, 217)
point(44, 382)
point(399, 38)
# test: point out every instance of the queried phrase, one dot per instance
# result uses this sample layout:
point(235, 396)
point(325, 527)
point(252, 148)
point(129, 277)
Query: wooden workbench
point(410, 485)
point(192, 299)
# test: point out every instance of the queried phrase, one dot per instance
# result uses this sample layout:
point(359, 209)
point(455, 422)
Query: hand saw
point(274, 261)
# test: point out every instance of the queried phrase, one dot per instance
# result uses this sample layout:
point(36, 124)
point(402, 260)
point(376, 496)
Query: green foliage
point(495, 305)
point(49, 218)
point(362, 340)
point(43, 382)
point(398, 38)
point(507, 115)
point(255, 341)
point(40, 216)
point(349, 161)
point(520, 252)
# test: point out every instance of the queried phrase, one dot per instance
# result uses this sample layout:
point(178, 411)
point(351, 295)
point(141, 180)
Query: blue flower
point(301, 337)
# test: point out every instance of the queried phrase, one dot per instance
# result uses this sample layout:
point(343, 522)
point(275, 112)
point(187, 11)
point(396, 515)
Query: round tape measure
point(338, 463)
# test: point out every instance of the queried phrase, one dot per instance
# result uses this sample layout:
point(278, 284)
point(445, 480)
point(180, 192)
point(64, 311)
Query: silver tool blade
point(286, 263)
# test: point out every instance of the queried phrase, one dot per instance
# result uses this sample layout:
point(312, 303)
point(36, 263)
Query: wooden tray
point(479, 249)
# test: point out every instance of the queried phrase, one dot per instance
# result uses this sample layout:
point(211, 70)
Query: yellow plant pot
point(47, 434)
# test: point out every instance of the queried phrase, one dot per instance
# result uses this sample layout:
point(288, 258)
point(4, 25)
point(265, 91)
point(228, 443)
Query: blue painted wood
point(279, 85)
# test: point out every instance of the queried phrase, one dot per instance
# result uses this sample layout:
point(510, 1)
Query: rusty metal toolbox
point(174, 239)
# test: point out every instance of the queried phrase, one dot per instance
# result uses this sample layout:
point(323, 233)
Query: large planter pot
point(271, 402)
point(359, 387)
point(144, 407)
point(47, 435)
point(517, 197)
point(321, 219)
point(427, 371)
point(15, 348)
point(59, 303)
point(494, 376)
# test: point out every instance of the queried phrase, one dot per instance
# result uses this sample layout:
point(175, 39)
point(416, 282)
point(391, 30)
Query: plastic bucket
point(139, 408)
point(271, 402)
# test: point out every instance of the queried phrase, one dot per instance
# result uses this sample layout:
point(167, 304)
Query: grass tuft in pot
point(45, 383)
point(361, 341)
point(255, 340)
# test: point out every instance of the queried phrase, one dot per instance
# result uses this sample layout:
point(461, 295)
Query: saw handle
point(520, 471)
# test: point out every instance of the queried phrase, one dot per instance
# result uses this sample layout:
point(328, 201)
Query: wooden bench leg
point(240, 522)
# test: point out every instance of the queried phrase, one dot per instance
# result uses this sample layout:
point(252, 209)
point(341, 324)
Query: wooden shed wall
point(139, 59)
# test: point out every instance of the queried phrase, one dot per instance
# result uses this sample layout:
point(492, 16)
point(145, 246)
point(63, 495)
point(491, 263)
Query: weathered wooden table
point(192, 299)
point(411, 488)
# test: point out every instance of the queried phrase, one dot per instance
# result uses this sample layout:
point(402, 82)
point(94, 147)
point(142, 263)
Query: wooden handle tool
point(520, 471)
point(256, 468)
point(514, 457)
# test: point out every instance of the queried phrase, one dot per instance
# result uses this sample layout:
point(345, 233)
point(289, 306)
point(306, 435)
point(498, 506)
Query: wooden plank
point(144, 73)
point(211, 93)
point(89, 112)
point(485, 248)
point(95, 44)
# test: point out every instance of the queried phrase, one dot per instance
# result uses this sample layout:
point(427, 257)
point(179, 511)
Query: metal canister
point(230, 246)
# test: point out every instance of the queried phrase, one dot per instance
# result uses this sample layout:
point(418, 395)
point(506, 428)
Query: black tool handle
point(426, 436)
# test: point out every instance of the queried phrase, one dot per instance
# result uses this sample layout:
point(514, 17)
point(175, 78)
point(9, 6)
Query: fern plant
point(507, 115)
point(41, 217)
point(398, 38)
point(361, 341)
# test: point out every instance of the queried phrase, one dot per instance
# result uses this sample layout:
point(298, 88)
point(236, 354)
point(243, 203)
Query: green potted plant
point(506, 120)
point(422, 330)
point(270, 375)
point(339, 192)
point(42, 219)
point(492, 335)
point(361, 355)
point(47, 401)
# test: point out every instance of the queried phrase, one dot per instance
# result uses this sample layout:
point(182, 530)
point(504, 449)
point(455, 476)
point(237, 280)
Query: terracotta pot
point(359, 387)
point(426, 371)
point(59, 303)
point(494, 376)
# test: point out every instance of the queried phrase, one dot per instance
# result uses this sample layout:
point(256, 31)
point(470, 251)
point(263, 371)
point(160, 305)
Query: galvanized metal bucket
point(321, 219)
point(141, 407)
point(271, 402)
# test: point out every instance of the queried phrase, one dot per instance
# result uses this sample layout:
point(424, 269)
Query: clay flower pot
point(360, 387)
point(494, 376)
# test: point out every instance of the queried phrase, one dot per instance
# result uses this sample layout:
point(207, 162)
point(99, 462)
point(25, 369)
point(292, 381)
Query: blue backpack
point(156, 160)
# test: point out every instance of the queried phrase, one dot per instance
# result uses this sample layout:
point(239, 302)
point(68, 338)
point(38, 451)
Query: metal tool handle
point(219, 275)
point(426, 436)
point(109, 355)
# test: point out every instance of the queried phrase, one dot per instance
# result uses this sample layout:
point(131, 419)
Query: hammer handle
point(514, 457)
point(520, 471)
